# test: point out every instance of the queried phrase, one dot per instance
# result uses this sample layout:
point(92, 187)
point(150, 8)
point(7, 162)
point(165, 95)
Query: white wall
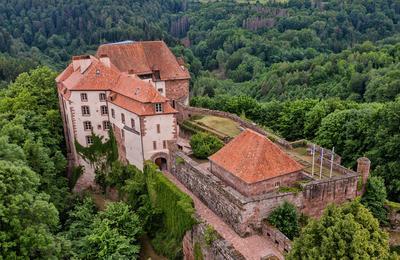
point(76, 131)
point(157, 85)
point(133, 141)
point(167, 133)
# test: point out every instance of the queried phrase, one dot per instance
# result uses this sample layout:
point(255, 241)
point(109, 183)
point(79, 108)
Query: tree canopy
point(347, 232)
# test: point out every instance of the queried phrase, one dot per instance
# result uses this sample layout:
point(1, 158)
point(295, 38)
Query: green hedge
point(177, 207)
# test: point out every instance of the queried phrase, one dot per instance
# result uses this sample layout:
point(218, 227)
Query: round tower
point(363, 167)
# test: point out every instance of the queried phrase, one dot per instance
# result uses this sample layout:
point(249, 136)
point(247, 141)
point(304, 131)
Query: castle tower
point(363, 167)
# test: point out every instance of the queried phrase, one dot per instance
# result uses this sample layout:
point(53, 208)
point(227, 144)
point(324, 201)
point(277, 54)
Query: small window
point(158, 128)
point(154, 145)
point(123, 134)
point(158, 107)
point(104, 110)
point(112, 113)
point(106, 125)
point(87, 125)
point(85, 111)
point(123, 118)
point(277, 184)
point(133, 123)
point(89, 140)
point(160, 90)
point(102, 96)
point(84, 97)
point(164, 144)
point(97, 72)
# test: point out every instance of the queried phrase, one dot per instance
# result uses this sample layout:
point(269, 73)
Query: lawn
point(222, 125)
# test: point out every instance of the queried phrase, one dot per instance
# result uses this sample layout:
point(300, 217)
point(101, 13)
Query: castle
point(140, 90)
point(131, 86)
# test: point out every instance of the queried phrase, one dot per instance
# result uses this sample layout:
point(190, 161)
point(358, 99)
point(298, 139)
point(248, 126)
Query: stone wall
point(282, 243)
point(185, 112)
point(219, 249)
point(318, 194)
point(177, 90)
point(257, 188)
point(245, 213)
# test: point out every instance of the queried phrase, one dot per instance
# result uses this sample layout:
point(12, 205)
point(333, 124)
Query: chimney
point(105, 60)
point(363, 166)
point(83, 62)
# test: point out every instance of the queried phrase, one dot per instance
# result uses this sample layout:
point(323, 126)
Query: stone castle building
point(131, 86)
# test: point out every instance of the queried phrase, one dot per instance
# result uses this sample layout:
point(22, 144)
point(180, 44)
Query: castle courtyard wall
point(245, 213)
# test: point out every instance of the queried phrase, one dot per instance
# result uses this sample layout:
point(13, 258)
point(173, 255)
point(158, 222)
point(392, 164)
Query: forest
point(326, 71)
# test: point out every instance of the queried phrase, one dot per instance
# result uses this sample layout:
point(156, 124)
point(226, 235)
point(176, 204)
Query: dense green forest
point(327, 71)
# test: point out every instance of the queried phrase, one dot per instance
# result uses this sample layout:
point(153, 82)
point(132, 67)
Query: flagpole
point(333, 152)
point(313, 160)
point(320, 167)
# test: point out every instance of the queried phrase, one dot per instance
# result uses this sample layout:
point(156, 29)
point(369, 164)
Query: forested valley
point(325, 71)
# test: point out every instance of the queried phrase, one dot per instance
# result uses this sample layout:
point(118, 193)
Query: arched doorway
point(161, 163)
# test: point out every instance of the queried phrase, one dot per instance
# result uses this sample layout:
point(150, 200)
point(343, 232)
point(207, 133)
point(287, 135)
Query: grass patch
point(225, 126)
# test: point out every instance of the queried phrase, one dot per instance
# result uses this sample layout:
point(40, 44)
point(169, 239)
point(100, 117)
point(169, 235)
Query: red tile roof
point(129, 91)
point(96, 76)
point(252, 157)
point(143, 57)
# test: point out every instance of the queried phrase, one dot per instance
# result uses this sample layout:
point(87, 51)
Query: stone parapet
point(282, 243)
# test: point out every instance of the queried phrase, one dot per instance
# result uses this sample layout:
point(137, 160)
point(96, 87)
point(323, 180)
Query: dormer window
point(158, 108)
point(97, 72)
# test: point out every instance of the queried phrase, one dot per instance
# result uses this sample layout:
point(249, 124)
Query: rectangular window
point(84, 97)
point(89, 140)
point(102, 96)
point(164, 144)
point(104, 110)
point(154, 145)
point(158, 128)
point(106, 125)
point(123, 118)
point(158, 108)
point(133, 123)
point(87, 125)
point(123, 134)
point(85, 111)
point(160, 90)
point(112, 112)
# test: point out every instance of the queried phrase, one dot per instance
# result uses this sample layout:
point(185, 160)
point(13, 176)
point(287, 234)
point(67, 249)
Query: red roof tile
point(143, 57)
point(130, 92)
point(252, 157)
point(96, 76)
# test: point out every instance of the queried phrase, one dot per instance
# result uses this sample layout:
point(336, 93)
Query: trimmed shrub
point(204, 145)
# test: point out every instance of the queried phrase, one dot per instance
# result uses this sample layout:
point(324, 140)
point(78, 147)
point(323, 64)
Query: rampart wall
point(219, 249)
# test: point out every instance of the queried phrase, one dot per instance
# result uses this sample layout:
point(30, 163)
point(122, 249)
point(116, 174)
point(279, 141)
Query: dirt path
point(252, 248)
